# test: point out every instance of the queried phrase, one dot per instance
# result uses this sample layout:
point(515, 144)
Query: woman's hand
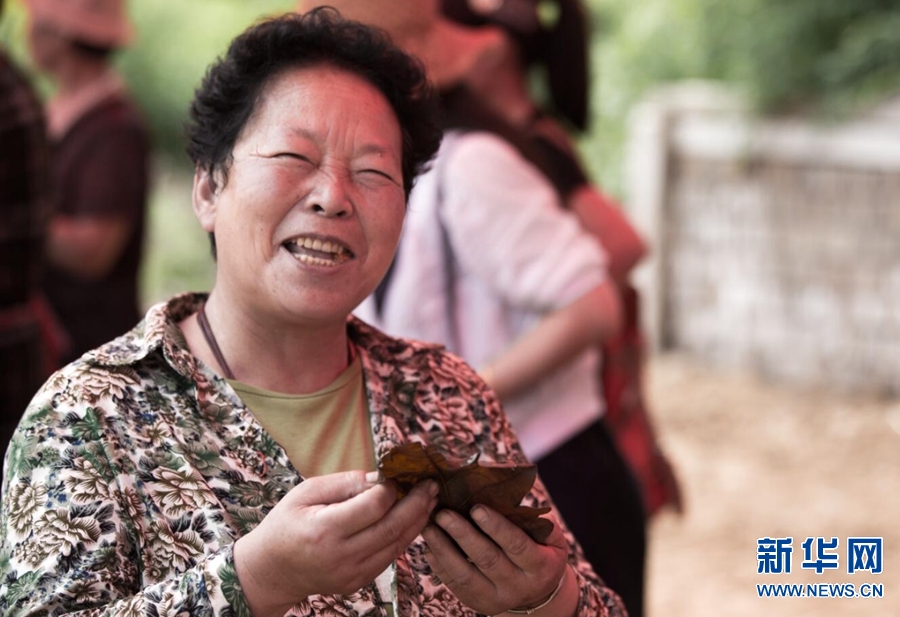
point(502, 567)
point(331, 534)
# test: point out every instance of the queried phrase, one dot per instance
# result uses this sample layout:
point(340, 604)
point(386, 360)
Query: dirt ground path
point(759, 460)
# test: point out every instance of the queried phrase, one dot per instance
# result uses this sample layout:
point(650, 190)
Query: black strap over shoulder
point(448, 260)
point(464, 112)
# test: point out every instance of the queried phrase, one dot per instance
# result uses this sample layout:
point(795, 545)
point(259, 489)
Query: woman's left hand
point(500, 567)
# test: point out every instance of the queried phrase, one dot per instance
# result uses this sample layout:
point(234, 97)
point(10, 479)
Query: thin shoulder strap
point(447, 255)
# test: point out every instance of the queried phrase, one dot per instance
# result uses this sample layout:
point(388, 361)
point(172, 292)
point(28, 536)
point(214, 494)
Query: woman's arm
point(599, 214)
point(603, 218)
point(87, 247)
point(68, 541)
point(557, 339)
point(509, 231)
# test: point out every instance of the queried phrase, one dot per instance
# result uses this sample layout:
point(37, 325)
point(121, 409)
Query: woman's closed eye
point(294, 155)
point(373, 172)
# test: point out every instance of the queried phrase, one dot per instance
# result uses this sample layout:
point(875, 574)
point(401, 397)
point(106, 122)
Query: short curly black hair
point(230, 91)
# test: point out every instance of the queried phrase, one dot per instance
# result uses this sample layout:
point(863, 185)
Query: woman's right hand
point(331, 534)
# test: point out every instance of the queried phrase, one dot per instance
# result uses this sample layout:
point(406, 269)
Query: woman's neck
point(502, 86)
point(287, 358)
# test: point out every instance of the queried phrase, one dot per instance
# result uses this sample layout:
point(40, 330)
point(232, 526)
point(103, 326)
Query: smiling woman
point(320, 160)
point(214, 459)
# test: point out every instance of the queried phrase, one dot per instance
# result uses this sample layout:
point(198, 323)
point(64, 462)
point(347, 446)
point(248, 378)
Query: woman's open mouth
point(318, 252)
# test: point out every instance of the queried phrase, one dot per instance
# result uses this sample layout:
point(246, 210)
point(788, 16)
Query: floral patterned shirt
point(136, 468)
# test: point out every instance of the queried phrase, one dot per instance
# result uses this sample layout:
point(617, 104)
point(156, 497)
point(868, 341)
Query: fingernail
point(373, 477)
point(479, 514)
point(444, 518)
point(433, 488)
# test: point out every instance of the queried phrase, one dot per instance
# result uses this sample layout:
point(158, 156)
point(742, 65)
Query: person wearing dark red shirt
point(99, 168)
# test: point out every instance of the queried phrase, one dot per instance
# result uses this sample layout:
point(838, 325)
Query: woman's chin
point(320, 308)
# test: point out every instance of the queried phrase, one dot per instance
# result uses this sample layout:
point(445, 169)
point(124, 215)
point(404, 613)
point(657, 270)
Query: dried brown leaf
point(466, 483)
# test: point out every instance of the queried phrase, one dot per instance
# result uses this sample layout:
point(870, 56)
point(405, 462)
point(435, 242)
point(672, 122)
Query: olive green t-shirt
point(322, 432)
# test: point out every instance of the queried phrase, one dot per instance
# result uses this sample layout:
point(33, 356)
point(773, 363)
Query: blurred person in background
point(492, 266)
point(29, 336)
point(100, 158)
point(552, 36)
point(213, 460)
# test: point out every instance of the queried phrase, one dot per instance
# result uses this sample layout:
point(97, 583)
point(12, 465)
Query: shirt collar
point(158, 330)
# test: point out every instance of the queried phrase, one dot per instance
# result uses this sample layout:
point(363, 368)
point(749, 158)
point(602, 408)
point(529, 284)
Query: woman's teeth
point(318, 245)
point(316, 252)
point(315, 261)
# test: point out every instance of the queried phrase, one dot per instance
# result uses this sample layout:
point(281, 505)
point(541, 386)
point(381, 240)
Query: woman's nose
point(331, 195)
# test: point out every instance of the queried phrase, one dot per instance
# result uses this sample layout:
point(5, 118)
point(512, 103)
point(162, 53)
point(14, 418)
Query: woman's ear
point(203, 197)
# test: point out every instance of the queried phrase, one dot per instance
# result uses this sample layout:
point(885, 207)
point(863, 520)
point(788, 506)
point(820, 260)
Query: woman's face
point(311, 213)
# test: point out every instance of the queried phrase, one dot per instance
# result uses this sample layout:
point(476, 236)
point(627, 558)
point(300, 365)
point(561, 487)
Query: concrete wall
point(777, 244)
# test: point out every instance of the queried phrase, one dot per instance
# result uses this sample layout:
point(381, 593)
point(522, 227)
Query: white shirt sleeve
point(508, 228)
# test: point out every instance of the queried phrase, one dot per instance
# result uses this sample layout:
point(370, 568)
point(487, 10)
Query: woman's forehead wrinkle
point(374, 148)
point(304, 118)
point(248, 146)
point(303, 132)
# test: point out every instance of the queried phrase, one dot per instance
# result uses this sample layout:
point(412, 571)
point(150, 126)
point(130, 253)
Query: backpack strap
point(448, 257)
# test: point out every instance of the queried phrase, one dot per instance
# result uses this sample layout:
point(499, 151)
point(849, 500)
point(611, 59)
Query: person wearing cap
point(100, 157)
point(220, 458)
point(492, 266)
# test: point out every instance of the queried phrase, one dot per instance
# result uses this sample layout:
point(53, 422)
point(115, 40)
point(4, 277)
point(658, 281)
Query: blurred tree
point(827, 55)
point(177, 40)
point(822, 57)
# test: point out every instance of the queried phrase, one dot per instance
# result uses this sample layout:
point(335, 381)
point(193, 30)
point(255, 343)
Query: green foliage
point(177, 41)
point(825, 57)
point(178, 257)
point(12, 33)
point(636, 45)
point(784, 52)
point(823, 54)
